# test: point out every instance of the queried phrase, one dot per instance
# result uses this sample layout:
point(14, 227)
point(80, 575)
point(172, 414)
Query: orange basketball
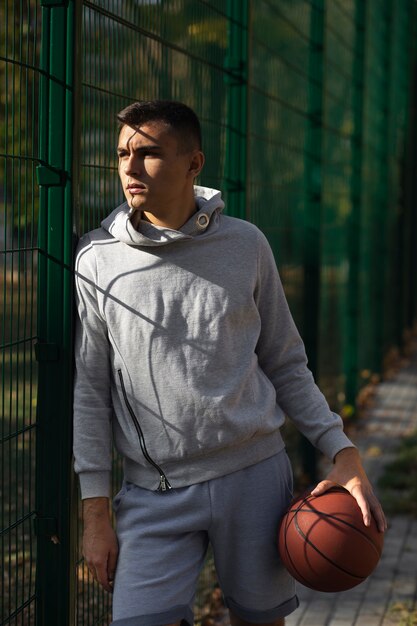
point(324, 543)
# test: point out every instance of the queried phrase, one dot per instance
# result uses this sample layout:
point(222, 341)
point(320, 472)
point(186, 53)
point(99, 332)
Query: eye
point(122, 154)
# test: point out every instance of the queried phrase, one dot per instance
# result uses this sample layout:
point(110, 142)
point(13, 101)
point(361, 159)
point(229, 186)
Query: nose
point(132, 166)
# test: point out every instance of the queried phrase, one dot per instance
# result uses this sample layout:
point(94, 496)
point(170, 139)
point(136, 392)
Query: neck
point(173, 219)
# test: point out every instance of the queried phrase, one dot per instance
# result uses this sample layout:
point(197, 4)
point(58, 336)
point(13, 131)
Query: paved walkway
point(389, 595)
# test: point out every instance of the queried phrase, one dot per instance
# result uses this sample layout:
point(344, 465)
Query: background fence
point(309, 117)
point(19, 204)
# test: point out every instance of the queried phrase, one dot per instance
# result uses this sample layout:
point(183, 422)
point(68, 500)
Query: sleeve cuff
point(94, 484)
point(332, 441)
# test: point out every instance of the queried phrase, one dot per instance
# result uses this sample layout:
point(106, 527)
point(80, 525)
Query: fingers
point(363, 505)
point(111, 567)
point(366, 500)
point(380, 519)
point(102, 566)
point(370, 506)
point(100, 549)
point(104, 575)
point(378, 513)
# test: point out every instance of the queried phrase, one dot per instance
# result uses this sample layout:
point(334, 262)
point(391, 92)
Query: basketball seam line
point(321, 553)
point(342, 521)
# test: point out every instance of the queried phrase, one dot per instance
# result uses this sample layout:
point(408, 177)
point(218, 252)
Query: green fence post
point(413, 85)
point(410, 199)
point(408, 233)
point(313, 173)
point(236, 79)
point(351, 360)
point(54, 315)
point(383, 204)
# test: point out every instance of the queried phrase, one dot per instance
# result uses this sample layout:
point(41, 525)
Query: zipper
point(164, 484)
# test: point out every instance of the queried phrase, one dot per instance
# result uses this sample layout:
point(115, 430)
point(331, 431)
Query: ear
point(196, 163)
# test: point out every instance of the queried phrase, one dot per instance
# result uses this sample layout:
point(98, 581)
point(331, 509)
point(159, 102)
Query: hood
point(205, 221)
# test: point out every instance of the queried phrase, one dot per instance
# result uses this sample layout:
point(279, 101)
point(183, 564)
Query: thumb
point(322, 487)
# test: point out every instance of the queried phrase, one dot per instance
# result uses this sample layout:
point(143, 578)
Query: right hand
point(100, 546)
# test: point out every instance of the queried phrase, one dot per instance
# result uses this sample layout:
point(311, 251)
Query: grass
point(398, 484)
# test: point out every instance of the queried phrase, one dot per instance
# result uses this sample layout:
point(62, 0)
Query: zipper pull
point(164, 483)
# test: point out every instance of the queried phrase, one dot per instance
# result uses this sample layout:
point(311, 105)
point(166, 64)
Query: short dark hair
point(183, 121)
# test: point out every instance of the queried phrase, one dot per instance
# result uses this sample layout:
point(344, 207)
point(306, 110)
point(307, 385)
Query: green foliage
point(398, 483)
point(19, 74)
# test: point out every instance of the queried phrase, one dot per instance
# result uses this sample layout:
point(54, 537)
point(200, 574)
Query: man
point(188, 358)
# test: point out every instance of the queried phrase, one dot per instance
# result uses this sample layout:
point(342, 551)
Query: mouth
point(134, 188)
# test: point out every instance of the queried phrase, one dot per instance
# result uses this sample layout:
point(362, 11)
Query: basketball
point(324, 543)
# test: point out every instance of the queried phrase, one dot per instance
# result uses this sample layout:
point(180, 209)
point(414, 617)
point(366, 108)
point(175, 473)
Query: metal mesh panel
point(385, 116)
point(19, 54)
point(339, 84)
point(323, 110)
point(326, 135)
point(278, 105)
point(308, 130)
point(374, 181)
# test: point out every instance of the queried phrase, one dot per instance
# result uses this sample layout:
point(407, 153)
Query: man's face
point(155, 174)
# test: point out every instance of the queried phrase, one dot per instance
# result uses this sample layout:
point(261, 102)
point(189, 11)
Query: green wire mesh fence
point(19, 200)
point(308, 111)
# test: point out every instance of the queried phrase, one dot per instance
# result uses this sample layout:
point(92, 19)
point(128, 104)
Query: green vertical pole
point(400, 101)
point(351, 356)
point(381, 211)
point(54, 315)
point(408, 227)
point(313, 181)
point(413, 274)
point(410, 200)
point(236, 80)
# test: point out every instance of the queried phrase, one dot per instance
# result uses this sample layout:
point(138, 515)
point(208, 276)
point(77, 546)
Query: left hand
point(348, 472)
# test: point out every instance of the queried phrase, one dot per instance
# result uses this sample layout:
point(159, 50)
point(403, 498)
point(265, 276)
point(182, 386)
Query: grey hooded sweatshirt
point(187, 356)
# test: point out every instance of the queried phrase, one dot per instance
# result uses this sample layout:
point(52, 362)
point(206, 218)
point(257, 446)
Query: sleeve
point(282, 357)
point(92, 399)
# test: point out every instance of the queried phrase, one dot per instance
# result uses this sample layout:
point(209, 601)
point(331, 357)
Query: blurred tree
point(19, 63)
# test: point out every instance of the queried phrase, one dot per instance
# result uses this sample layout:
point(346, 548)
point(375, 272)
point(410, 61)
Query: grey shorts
point(163, 539)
